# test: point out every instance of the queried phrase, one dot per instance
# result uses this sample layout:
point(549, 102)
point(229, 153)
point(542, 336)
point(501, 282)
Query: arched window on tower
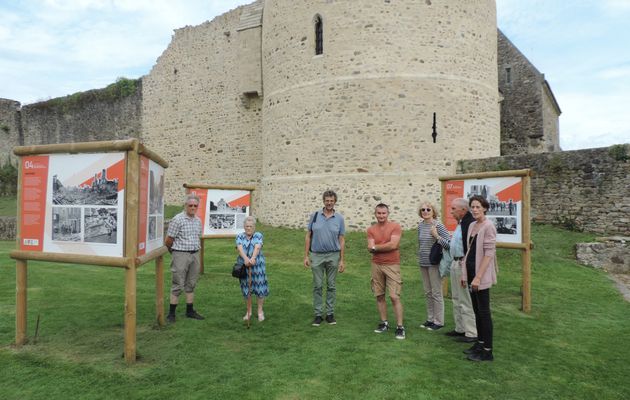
point(319, 35)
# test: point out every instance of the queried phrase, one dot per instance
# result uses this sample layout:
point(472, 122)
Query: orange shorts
point(386, 276)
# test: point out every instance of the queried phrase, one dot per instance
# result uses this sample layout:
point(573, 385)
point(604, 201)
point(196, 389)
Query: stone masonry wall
point(581, 189)
point(7, 228)
point(527, 115)
point(610, 254)
point(195, 115)
point(92, 118)
point(10, 129)
point(358, 118)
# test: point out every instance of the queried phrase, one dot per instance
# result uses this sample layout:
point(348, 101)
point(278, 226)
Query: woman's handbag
point(436, 253)
point(238, 269)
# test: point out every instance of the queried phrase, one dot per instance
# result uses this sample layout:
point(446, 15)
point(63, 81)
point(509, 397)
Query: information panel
point(73, 203)
point(504, 194)
point(223, 211)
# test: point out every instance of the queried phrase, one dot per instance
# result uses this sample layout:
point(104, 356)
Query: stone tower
point(299, 97)
point(358, 117)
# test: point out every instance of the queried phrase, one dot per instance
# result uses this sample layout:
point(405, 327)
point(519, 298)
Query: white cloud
point(590, 120)
point(615, 73)
point(616, 5)
point(52, 48)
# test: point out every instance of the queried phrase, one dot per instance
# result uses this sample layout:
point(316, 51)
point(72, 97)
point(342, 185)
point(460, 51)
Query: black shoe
point(477, 347)
point(400, 333)
point(317, 321)
point(331, 319)
point(426, 324)
point(465, 339)
point(435, 327)
point(194, 315)
point(382, 327)
point(454, 333)
point(170, 318)
point(483, 355)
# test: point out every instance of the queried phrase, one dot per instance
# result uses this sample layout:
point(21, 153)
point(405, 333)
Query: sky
point(53, 48)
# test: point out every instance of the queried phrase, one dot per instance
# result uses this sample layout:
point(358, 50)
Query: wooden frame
point(130, 260)
point(526, 245)
point(202, 186)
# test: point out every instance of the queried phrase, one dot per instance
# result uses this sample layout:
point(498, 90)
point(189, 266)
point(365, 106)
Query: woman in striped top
point(430, 229)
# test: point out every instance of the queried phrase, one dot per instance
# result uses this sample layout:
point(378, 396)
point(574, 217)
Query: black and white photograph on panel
point(152, 227)
point(505, 225)
point(66, 224)
point(240, 220)
point(221, 221)
point(100, 224)
point(156, 192)
point(98, 190)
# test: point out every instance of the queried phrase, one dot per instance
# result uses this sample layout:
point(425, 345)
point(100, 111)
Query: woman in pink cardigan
point(479, 273)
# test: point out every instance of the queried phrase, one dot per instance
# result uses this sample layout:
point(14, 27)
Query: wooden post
point(526, 258)
point(21, 284)
point(20, 302)
point(130, 314)
point(201, 253)
point(159, 290)
point(131, 250)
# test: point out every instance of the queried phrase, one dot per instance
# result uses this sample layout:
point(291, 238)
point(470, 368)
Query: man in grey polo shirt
point(323, 253)
point(182, 240)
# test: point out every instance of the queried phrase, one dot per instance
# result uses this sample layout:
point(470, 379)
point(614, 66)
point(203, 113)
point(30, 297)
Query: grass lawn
point(8, 206)
point(574, 344)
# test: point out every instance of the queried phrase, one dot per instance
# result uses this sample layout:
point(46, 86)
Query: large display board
point(73, 203)
point(151, 206)
point(509, 196)
point(96, 203)
point(504, 194)
point(222, 209)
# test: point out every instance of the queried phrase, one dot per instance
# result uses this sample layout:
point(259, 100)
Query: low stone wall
point(611, 254)
point(584, 190)
point(7, 228)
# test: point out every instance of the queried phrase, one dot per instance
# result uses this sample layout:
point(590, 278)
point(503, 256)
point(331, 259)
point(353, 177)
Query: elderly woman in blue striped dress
point(430, 230)
point(249, 245)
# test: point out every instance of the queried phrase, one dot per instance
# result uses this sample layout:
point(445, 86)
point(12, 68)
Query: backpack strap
point(311, 230)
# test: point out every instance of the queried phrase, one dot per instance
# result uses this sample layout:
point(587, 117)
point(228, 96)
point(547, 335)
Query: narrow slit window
point(508, 75)
point(319, 35)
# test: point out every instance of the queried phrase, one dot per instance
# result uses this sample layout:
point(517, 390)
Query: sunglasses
point(425, 209)
point(192, 205)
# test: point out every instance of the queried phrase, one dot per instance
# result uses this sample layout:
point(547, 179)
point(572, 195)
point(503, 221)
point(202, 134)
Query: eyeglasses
point(192, 205)
point(425, 209)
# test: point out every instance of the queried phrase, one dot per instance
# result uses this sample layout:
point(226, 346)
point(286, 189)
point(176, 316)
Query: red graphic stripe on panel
point(143, 206)
point(116, 171)
point(33, 205)
point(512, 192)
point(241, 201)
point(452, 190)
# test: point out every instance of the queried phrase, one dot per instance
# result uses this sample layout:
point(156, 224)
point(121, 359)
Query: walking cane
point(249, 292)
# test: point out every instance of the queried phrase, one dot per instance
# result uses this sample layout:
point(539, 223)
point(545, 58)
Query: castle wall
point(527, 113)
point(358, 119)
point(580, 189)
point(194, 113)
point(551, 123)
point(95, 115)
point(10, 129)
